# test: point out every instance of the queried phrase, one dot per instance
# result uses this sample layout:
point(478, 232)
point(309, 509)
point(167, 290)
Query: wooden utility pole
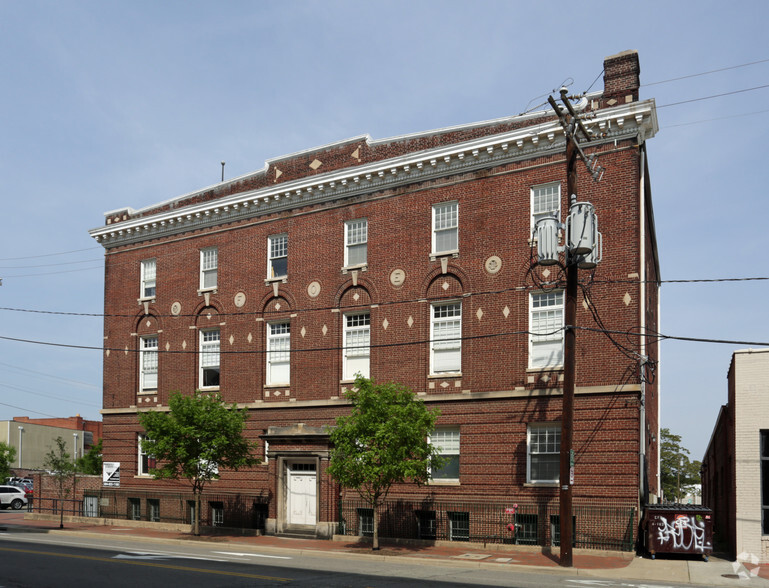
point(569, 375)
point(571, 123)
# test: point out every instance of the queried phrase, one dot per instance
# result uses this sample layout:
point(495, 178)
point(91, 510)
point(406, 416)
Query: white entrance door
point(302, 494)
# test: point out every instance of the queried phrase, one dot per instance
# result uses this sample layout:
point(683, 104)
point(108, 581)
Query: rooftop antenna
point(222, 171)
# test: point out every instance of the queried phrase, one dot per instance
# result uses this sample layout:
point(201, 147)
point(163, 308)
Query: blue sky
point(112, 104)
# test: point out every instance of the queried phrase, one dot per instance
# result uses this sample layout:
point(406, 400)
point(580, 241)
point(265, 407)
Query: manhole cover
point(472, 556)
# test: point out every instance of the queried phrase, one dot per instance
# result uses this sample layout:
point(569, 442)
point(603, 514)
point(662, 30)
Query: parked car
point(12, 496)
point(27, 488)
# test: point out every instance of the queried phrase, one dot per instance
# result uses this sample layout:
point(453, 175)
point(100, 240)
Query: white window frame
point(449, 442)
point(210, 356)
point(548, 446)
point(148, 364)
point(148, 279)
point(145, 460)
point(356, 243)
point(209, 268)
point(445, 223)
point(445, 338)
point(546, 329)
point(356, 345)
point(278, 353)
point(277, 249)
point(545, 201)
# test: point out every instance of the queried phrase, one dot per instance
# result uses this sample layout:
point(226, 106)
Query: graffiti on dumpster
point(685, 532)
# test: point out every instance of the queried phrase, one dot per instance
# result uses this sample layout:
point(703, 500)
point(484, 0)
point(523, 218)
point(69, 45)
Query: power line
point(49, 254)
point(713, 96)
point(712, 71)
point(513, 289)
point(656, 336)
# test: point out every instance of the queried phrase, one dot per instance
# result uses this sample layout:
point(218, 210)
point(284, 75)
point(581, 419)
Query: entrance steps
point(299, 532)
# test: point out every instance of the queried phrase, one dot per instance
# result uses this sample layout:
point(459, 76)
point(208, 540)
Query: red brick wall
point(496, 396)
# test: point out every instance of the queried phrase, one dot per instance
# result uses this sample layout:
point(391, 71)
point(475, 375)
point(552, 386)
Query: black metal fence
point(235, 511)
point(594, 527)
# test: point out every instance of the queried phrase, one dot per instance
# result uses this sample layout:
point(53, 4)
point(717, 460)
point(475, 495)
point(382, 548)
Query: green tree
point(679, 475)
point(90, 463)
point(197, 436)
point(383, 441)
point(60, 465)
point(7, 455)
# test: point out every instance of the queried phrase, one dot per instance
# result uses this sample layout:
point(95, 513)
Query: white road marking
point(252, 555)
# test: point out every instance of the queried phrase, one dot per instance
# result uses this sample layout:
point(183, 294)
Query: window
point(209, 263)
point(365, 522)
point(555, 530)
point(445, 227)
point(135, 509)
point(209, 358)
point(459, 526)
point(277, 260)
point(148, 278)
point(764, 482)
point(148, 364)
point(146, 461)
point(447, 442)
point(266, 452)
point(426, 524)
point(278, 353)
point(217, 514)
point(545, 201)
point(153, 509)
point(355, 242)
point(544, 452)
point(546, 329)
point(357, 342)
point(446, 338)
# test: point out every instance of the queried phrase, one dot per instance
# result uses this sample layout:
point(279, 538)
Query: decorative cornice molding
point(636, 119)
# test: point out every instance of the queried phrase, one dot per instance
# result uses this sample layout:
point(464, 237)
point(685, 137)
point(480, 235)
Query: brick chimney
point(621, 77)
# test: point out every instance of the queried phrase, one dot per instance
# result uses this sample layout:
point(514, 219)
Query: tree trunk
point(196, 522)
point(375, 538)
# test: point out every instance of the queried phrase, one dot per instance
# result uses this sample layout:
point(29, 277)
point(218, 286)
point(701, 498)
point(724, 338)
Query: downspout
point(642, 478)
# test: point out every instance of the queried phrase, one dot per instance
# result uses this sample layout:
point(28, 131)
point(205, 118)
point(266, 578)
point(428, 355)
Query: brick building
point(737, 488)
point(405, 259)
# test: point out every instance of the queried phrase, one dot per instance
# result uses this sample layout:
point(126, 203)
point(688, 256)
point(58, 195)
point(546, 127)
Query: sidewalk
point(591, 564)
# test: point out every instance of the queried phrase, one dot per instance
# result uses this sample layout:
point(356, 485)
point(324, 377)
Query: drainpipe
point(642, 493)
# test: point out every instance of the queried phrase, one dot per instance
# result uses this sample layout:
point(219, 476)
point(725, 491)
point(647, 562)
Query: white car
point(13, 497)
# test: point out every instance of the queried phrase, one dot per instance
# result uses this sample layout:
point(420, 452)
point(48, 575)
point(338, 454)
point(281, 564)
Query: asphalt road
point(37, 560)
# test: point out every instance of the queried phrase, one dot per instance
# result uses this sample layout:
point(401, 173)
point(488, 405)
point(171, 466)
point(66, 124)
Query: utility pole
point(582, 249)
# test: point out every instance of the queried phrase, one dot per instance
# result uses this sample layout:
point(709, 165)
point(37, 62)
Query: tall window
point(764, 482)
point(209, 358)
point(445, 227)
point(278, 353)
point(446, 338)
point(546, 329)
point(148, 364)
point(146, 461)
point(544, 447)
point(277, 261)
point(545, 201)
point(209, 263)
point(355, 242)
point(148, 278)
point(357, 345)
point(447, 442)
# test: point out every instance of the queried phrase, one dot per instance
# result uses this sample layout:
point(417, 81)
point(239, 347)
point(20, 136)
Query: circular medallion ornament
point(397, 277)
point(176, 308)
point(313, 289)
point(240, 299)
point(493, 264)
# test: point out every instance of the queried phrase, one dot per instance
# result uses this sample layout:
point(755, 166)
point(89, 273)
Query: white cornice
point(636, 119)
